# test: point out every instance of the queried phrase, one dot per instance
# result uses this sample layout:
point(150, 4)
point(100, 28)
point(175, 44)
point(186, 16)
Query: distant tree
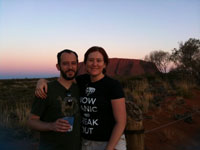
point(187, 57)
point(160, 58)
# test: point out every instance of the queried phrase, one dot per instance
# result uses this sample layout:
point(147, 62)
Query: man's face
point(68, 66)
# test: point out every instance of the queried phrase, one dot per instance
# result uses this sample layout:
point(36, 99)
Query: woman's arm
point(119, 112)
point(41, 88)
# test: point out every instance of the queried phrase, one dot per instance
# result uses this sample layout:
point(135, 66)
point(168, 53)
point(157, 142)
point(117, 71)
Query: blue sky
point(33, 31)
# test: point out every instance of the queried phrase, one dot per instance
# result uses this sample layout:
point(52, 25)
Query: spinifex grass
point(16, 97)
point(14, 114)
point(184, 87)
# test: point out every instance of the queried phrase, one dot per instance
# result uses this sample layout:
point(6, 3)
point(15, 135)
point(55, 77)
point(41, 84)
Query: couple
point(100, 98)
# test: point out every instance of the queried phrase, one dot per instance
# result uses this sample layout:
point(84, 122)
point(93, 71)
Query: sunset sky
point(32, 32)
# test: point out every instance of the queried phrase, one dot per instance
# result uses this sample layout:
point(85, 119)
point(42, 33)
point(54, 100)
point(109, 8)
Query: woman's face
point(95, 64)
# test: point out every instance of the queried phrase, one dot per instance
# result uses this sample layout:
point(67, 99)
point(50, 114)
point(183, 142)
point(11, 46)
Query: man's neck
point(66, 83)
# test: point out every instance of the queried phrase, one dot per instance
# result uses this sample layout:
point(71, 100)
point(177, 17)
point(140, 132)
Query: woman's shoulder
point(115, 88)
point(111, 80)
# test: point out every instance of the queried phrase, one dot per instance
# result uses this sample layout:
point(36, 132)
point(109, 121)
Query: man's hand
point(41, 89)
point(60, 125)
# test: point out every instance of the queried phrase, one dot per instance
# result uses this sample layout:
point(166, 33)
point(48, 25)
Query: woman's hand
point(41, 89)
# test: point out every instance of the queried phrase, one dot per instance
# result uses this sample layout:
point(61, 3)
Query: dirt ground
point(175, 125)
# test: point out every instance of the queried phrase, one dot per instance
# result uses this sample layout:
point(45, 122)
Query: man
point(61, 101)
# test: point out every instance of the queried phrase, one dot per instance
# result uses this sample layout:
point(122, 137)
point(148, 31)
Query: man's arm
point(59, 125)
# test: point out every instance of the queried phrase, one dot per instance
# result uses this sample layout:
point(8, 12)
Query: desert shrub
point(179, 100)
point(128, 94)
point(183, 88)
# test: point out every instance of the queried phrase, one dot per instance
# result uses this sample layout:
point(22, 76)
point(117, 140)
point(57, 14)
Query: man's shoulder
point(53, 84)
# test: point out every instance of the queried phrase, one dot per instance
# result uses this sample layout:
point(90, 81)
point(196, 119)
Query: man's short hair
point(66, 51)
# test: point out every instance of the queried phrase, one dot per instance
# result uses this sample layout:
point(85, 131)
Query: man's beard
point(65, 76)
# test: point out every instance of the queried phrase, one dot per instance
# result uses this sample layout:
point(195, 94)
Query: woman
point(102, 105)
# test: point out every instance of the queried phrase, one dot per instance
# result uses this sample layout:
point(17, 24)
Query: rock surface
point(125, 67)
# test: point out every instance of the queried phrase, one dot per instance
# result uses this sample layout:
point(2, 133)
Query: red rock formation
point(125, 67)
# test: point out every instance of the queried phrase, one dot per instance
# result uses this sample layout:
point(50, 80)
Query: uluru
point(125, 67)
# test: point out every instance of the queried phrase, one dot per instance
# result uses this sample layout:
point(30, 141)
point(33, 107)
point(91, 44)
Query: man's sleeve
point(38, 106)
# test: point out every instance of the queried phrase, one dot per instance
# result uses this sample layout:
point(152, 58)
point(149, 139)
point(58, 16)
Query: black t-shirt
point(54, 107)
point(95, 105)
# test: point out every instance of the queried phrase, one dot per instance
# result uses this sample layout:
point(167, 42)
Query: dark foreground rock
point(9, 140)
